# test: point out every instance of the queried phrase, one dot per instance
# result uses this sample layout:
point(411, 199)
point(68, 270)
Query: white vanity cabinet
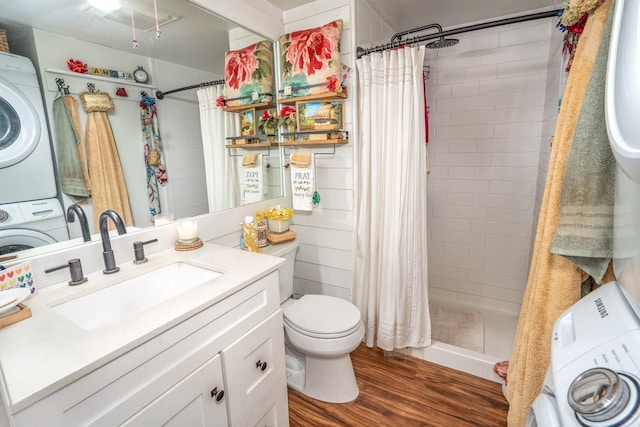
point(223, 366)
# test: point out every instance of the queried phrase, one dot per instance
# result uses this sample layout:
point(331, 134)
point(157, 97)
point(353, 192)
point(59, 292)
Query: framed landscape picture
point(248, 122)
point(320, 115)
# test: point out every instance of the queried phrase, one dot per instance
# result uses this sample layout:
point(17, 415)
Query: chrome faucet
point(107, 252)
point(74, 210)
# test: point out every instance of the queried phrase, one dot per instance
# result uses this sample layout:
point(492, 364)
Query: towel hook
point(61, 86)
point(91, 87)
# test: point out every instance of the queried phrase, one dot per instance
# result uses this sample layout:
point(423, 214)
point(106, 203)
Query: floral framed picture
point(247, 122)
point(320, 115)
point(249, 74)
point(310, 60)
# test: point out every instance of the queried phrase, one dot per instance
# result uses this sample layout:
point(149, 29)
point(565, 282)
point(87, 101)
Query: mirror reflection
point(167, 169)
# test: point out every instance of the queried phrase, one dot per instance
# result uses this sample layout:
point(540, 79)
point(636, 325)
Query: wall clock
point(140, 75)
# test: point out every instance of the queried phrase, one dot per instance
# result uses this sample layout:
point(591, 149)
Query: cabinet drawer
point(253, 365)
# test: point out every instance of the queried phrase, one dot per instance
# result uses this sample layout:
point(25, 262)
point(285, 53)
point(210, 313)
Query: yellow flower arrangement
point(279, 213)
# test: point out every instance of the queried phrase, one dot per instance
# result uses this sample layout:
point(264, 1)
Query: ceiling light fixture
point(106, 5)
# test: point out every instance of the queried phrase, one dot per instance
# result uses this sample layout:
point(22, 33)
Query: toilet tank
point(285, 272)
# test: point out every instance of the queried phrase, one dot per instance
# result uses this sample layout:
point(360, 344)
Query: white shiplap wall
point(323, 262)
point(488, 115)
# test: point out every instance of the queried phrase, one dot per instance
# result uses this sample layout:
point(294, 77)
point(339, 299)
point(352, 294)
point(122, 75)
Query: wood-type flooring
point(405, 391)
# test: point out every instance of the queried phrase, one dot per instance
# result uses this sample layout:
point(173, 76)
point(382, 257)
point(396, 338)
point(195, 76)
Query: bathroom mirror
point(184, 46)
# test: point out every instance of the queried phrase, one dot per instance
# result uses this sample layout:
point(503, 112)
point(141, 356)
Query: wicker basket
point(4, 44)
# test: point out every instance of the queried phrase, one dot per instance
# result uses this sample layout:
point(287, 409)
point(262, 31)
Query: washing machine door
point(543, 412)
point(19, 125)
point(18, 239)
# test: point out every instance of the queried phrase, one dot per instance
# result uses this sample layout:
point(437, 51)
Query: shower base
point(468, 335)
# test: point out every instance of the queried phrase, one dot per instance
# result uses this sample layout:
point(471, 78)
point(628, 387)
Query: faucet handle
point(138, 251)
point(75, 266)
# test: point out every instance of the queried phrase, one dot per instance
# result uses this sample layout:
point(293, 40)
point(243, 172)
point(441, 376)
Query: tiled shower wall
point(489, 118)
point(556, 78)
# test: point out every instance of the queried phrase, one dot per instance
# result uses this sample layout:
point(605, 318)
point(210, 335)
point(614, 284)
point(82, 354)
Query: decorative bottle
point(250, 234)
point(262, 230)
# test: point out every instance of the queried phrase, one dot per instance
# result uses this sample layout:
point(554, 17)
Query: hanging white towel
point(253, 174)
point(303, 180)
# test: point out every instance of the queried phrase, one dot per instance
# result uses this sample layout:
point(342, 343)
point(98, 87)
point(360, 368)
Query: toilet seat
point(322, 316)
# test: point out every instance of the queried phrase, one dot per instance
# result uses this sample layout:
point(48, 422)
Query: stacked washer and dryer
point(30, 214)
point(594, 376)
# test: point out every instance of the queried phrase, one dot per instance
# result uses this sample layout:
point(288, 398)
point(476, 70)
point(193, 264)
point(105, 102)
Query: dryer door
point(19, 125)
point(543, 412)
point(18, 239)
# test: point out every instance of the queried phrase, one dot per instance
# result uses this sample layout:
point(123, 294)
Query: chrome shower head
point(442, 43)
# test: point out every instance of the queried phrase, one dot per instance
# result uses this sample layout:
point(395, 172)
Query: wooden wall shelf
point(240, 108)
point(249, 146)
point(315, 142)
point(328, 96)
point(97, 77)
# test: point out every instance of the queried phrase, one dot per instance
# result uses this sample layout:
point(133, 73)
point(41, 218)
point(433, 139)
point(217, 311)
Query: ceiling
point(407, 14)
point(191, 35)
point(205, 34)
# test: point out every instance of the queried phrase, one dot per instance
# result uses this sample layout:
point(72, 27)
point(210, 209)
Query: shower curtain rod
point(361, 51)
point(160, 94)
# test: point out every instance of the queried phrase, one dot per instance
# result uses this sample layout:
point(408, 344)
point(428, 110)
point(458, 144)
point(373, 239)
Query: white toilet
point(320, 333)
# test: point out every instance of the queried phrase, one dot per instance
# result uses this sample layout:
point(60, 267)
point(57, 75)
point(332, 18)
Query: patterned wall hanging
point(156, 171)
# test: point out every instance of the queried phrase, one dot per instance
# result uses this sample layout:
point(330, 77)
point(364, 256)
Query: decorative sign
point(105, 72)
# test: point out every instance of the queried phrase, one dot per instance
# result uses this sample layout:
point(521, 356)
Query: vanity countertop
point(46, 352)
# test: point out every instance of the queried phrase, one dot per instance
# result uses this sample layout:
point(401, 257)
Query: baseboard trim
point(457, 358)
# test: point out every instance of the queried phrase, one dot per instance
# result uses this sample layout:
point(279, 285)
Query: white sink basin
point(132, 296)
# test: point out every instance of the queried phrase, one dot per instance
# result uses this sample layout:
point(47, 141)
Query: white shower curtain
point(390, 214)
point(222, 176)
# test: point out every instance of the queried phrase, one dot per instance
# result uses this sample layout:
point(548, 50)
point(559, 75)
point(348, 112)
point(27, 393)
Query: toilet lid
point(322, 316)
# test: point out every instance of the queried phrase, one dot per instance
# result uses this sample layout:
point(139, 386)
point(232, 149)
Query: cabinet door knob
point(218, 394)
point(261, 365)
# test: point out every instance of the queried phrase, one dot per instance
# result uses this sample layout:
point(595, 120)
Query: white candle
point(162, 219)
point(187, 229)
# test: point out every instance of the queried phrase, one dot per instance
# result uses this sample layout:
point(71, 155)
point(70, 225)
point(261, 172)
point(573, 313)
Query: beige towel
point(554, 282)
point(108, 187)
point(301, 159)
point(249, 159)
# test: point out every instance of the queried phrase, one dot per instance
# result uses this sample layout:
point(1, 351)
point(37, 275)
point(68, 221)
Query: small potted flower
point(278, 219)
point(288, 120)
point(268, 124)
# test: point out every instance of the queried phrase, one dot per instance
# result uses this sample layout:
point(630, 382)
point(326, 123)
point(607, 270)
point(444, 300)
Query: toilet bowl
point(320, 333)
